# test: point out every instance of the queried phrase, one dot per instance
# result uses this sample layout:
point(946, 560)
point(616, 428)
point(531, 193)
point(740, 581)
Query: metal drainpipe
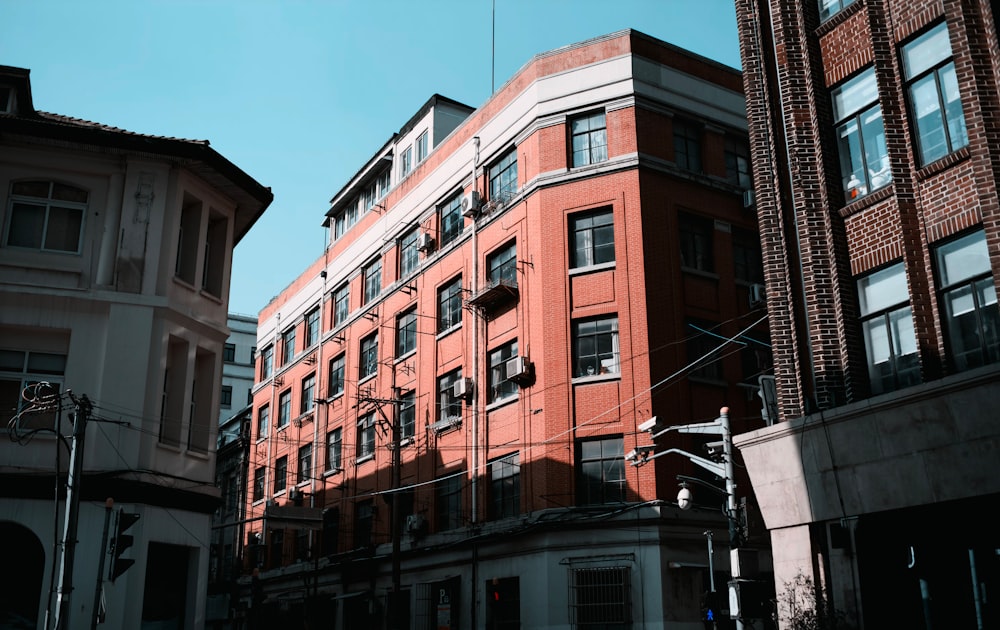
point(316, 407)
point(271, 427)
point(474, 286)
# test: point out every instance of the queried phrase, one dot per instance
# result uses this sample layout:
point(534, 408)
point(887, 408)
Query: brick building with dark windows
point(876, 160)
point(548, 272)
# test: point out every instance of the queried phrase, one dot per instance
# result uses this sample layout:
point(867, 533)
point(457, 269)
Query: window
point(505, 487)
point(366, 436)
point(696, 242)
point(336, 386)
point(498, 385)
point(407, 415)
point(226, 397)
point(341, 305)
point(448, 405)
point(935, 101)
point(451, 219)
point(373, 280)
point(405, 162)
point(305, 464)
point(263, 419)
point(503, 603)
point(364, 517)
point(448, 502)
point(687, 145)
point(592, 238)
point(422, 147)
point(406, 332)
point(288, 346)
point(595, 346)
point(601, 470)
point(308, 398)
point(601, 598)
point(280, 473)
point(284, 408)
point(266, 362)
point(408, 254)
point(369, 356)
point(47, 216)
point(253, 354)
point(229, 353)
point(588, 139)
point(737, 155)
point(383, 182)
point(864, 161)
point(829, 8)
point(20, 369)
point(748, 265)
point(188, 235)
point(312, 327)
point(502, 265)
point(887, 325)
point(703, 350)
point(503, 177)
point(450, 305)
point(258, 483)
point(334, 449)
point(969, 301)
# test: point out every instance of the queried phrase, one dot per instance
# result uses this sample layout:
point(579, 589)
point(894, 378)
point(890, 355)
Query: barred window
point(600, 598)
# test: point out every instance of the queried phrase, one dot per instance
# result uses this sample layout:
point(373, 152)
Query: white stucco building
point(115, 261)
point(238, 356)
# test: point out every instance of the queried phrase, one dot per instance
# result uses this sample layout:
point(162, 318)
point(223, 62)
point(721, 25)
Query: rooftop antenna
point(493, 50)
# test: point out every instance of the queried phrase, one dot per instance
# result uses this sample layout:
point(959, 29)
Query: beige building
point(115, 260)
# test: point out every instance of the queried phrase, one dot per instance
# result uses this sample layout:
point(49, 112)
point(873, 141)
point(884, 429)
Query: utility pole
point(395, 516)
point(720, 426)
point(109, 504)
point(72, 513)
point(394, 483)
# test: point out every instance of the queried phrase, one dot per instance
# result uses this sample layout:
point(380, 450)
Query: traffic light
point(710, 606)
point(120, 543)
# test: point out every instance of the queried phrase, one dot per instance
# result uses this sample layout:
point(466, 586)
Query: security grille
point(601, 598)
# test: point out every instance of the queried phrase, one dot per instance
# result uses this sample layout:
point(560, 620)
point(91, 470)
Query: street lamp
point(720, 426)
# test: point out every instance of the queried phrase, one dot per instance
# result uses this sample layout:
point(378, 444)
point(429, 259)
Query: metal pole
point(109, 504)
point(72, 515)
point(727, 446)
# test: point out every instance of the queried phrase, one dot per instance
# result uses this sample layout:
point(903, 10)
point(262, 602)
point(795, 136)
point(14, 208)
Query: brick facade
point(559, 408)
point(818, 242)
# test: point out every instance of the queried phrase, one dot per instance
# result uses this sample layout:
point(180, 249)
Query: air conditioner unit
point(295, 494)
point(425, 242)
point(471, 203)
point(462, 388)
point(448, 422)
point(758, 296)
point(749, 199)
point(518, 368)
point(415, 523)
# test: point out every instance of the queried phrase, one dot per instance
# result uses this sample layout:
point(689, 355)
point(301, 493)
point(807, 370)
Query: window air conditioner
point(749, 199)
point(758, 296)
point(414, 523)
point(471, 203)
point(425, 242)
point(462, 388)
point(518, 368)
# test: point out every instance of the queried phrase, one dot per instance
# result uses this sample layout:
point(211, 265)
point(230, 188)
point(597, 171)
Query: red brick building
point(514, 289)
point(873, 127)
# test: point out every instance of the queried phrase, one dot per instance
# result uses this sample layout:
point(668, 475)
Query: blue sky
point(300, 94)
